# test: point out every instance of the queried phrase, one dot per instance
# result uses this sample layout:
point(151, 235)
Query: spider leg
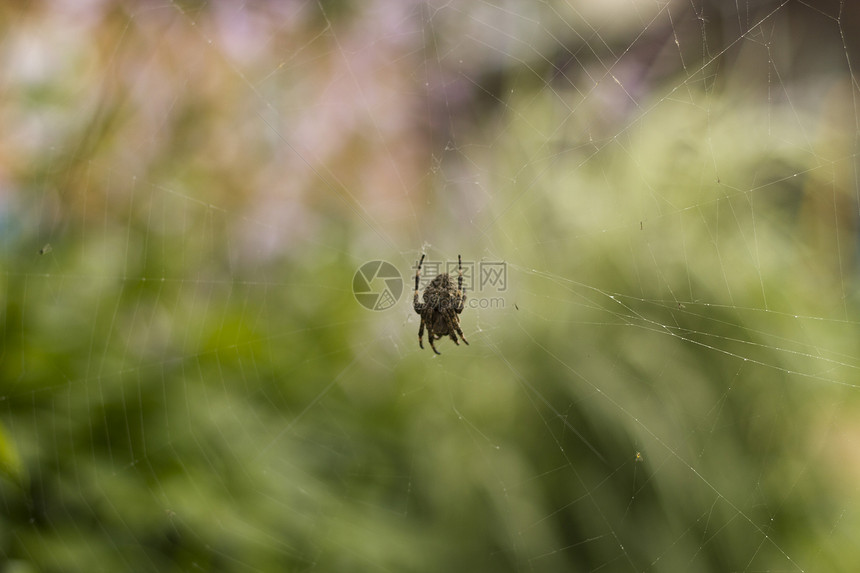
point(421, 334)
point(451, 327)
point(418, 306)
point(461, 296)
point(425, 321)
point(460, 332)
point(418, 271)
point(433, 346)
point(459, 273)
point(454, 326)
point(430, 336)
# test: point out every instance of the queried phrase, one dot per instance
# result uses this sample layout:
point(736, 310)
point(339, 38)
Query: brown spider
point(441, 307)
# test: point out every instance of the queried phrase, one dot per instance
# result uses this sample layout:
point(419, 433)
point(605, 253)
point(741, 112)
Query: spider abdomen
point(440, 324)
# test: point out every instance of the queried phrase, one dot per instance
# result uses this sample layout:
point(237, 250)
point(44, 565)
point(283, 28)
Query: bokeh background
point(667, 382)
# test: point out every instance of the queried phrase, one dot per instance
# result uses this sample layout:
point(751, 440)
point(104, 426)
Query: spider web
point(657, 207)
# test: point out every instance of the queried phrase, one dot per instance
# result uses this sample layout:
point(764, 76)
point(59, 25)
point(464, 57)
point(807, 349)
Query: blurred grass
point(190, 385)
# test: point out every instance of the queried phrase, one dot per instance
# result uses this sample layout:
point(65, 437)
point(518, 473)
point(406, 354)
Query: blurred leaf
point(10, 461)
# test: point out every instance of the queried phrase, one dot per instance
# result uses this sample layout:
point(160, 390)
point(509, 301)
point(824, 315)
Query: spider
point(441, 307)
